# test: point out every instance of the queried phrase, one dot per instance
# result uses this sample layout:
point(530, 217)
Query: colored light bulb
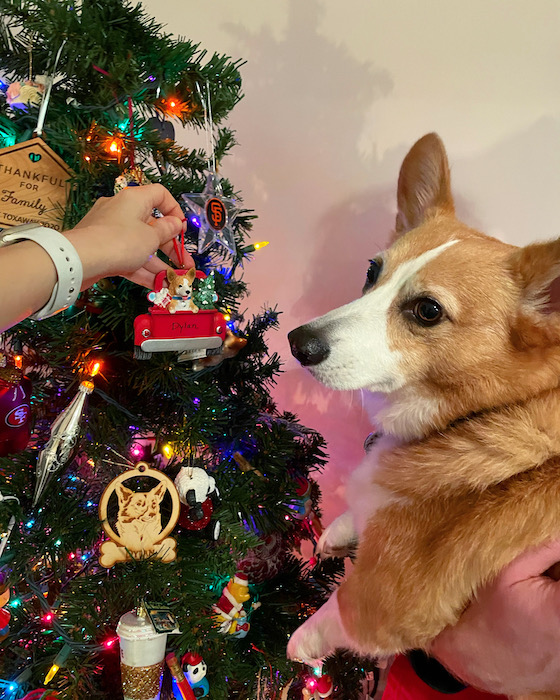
point(167, 451)
point(94, 368)
point(52, 673)
point(59, 660)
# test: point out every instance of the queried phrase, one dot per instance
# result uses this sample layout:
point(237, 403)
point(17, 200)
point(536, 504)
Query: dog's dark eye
point(373, 273)
point(427, 311)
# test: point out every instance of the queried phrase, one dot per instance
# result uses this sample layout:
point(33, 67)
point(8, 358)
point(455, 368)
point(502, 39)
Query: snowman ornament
point(195, 671)
point(199, 495)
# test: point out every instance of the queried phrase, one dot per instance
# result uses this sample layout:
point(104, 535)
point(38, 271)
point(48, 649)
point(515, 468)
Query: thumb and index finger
point(171, 224)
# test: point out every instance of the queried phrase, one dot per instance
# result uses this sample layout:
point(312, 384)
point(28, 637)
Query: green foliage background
point(216, 412)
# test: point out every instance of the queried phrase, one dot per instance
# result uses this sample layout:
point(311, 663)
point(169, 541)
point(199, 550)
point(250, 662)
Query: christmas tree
point(106, 85)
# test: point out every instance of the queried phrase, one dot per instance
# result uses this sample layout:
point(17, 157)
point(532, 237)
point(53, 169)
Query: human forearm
point(27, 278)
point(119, 236)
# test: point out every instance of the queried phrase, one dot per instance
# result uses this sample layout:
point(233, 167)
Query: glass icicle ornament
point(64, 433)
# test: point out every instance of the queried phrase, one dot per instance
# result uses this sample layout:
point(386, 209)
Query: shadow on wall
point(327, 208)
point(520, 179)
point(303, 156)
point(351, 233)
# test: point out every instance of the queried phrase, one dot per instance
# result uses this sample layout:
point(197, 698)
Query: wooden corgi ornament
point(138, 532)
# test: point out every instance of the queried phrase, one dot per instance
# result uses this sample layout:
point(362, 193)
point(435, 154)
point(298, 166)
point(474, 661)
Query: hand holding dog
point(507, 640)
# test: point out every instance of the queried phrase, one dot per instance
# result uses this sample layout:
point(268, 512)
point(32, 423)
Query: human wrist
point(94, 250)
point(64, 257)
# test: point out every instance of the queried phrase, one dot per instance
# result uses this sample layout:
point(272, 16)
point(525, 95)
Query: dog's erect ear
point(171, 275)
point(424, 184)
point(159, 491)
point(535, 266)
point(123, 494)
point(191, 274)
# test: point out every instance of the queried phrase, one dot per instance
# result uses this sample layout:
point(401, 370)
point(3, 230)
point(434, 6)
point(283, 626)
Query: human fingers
point(167, 228)
point(158, 197)
point(142, 277)
point(533, 563)
point(155, 265)
point(169, 249)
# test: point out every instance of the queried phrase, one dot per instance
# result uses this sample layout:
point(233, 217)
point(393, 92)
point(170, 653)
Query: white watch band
point(65, 258)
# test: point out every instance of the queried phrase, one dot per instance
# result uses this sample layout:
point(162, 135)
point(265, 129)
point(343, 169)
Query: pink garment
point(404, 684)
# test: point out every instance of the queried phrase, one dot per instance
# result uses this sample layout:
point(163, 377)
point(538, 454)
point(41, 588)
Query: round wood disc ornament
point(138, 532)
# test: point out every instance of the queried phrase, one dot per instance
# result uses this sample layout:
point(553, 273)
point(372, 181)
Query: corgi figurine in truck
point(175, 323)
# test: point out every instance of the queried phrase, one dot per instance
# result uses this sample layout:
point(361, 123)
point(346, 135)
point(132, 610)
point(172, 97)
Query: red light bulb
point(311, 684)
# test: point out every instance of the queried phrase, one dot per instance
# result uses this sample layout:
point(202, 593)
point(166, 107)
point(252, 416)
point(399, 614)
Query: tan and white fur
point(180, 289)
point(468, 474)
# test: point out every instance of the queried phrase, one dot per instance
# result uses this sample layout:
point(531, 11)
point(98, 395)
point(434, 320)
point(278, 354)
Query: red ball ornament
point(265, 561)
point(325, 686)
point(15, 414)
point(4, 617)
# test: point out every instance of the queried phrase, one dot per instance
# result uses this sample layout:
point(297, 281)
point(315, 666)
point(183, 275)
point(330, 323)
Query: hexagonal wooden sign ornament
point(33, 185)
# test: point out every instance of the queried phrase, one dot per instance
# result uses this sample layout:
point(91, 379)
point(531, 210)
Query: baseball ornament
point(15, 411)
point(264, 561)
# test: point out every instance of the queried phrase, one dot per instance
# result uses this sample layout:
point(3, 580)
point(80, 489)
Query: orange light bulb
point(93, 368)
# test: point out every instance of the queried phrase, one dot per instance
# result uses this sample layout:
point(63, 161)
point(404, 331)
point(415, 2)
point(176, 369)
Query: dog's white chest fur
point(364, 497)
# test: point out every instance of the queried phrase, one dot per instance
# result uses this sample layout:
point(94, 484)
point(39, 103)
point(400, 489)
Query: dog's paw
point(320, 635)
point(339, 539)
point(307, 645)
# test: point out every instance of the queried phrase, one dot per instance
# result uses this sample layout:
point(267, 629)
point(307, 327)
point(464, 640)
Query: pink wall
point(336, 92)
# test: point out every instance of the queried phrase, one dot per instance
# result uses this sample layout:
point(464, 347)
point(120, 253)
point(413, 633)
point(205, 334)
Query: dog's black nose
point(308, 347)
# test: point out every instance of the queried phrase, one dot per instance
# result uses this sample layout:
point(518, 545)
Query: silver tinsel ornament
point(64, 435)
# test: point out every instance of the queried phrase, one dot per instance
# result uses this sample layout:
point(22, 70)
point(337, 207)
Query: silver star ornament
point(213, 213)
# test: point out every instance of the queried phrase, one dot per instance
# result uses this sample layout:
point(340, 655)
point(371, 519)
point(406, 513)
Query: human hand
point(119, 235)
point(507, 640)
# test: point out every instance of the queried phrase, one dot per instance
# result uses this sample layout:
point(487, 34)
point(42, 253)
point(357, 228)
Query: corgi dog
point(180, 290)
point(452, 327)
point(139, 518)
point(139, 528)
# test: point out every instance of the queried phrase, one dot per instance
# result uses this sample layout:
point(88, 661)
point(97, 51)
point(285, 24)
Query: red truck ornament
point(193, 334)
